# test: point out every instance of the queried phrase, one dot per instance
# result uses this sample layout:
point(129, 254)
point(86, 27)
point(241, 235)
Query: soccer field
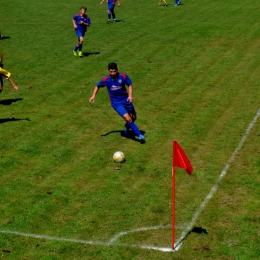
point(195, 70)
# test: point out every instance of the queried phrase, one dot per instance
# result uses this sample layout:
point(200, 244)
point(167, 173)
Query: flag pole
point(173, 196)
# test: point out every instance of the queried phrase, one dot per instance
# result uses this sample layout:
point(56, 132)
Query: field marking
point(184, 234)
point(111, 242)
point(215, 187)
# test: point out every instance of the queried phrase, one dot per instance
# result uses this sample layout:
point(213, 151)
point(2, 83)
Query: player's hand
point(91, 100)
point(16, 88)
point(130, 100)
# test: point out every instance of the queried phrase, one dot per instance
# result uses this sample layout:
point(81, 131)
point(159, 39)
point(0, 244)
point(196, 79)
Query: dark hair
point(112, 66)
point(83, 7)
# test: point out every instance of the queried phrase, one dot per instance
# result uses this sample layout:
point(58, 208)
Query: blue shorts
point(79, 33)
point(122, 109)
point(111, 8)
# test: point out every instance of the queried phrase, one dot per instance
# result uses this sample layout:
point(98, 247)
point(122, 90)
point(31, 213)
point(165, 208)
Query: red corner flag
point(180, 159)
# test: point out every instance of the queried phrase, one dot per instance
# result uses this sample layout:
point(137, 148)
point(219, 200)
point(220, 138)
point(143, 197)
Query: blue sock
point(108, 16)
point(76, 48)
point(135, 129)
point(80, 47)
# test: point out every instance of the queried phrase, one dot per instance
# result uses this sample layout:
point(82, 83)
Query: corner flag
point(180, 159)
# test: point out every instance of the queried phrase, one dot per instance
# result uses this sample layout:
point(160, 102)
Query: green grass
point(195, 72)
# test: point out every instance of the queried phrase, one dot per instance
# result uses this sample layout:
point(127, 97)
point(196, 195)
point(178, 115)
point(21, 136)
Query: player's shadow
point(5, 37)
point(4, 120)
point(119, 21)
point(9, 102)
point(131, 134)
point(86, 54)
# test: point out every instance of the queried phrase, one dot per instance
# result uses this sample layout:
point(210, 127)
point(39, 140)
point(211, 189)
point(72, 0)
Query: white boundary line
point(215, 187)
point(184, 234)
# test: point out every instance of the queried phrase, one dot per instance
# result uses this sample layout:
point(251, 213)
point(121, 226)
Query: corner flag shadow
point(4, 120)
point(9, 102)
point(130, 136)
point(199, 230)
point(85, 54)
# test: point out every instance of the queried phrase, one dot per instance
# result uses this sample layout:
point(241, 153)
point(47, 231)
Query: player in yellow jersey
point(6, 74)
point(160, 1)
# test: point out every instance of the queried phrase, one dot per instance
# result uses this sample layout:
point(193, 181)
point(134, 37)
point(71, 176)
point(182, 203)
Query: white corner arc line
point(120, 234)
point(215, 187)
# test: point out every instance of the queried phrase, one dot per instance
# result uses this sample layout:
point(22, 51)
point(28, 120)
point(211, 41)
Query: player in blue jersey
point(121, 100)
point(110, 9)
point(80, 22)
point(177, 2)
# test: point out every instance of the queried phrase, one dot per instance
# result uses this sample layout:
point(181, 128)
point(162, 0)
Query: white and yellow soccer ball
point(118, 157)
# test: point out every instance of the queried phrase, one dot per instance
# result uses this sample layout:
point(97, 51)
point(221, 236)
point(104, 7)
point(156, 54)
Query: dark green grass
point(195, 70)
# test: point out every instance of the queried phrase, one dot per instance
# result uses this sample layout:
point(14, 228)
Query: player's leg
point(109, 12)
point(80, 44)
point(113, 14)
point(1, 83)
point(130, 123)
point(122, 111)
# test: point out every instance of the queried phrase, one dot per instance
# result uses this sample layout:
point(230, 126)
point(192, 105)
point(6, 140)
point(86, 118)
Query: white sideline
point(215, 187)
point(184, 234)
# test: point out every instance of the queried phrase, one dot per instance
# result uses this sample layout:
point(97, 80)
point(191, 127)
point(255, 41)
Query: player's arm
point(92, 98)
point(118, 2)
point(74, 23)
point(13, 84)
point(130, 94)
point(102, 2)
point(88, 23)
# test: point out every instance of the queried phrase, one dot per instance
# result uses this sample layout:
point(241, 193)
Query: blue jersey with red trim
point(116, 87)
point(111, 2)
point(78, 18)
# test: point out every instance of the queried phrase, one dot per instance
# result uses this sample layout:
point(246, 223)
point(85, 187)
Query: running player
point(6, 74)
point(160, 2)
point(121, 101)
point(110, 9)
point(80, 22)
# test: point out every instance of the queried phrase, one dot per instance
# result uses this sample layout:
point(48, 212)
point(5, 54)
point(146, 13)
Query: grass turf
point(195, 73)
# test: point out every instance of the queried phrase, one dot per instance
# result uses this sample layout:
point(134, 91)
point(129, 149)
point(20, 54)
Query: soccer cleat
point(75, 53)
point(108, 21)
point(80, 54)
point(114, 21)
point(166, 5)
point(141, 138)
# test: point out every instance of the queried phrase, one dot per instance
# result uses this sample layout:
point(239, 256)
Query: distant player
point(80, 22)
point(160, 2)
point(177, 2)
point(121, 101)
point(110, 9)
point(5, 74)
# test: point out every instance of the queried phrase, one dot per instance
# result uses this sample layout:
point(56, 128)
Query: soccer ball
point(118, 157)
